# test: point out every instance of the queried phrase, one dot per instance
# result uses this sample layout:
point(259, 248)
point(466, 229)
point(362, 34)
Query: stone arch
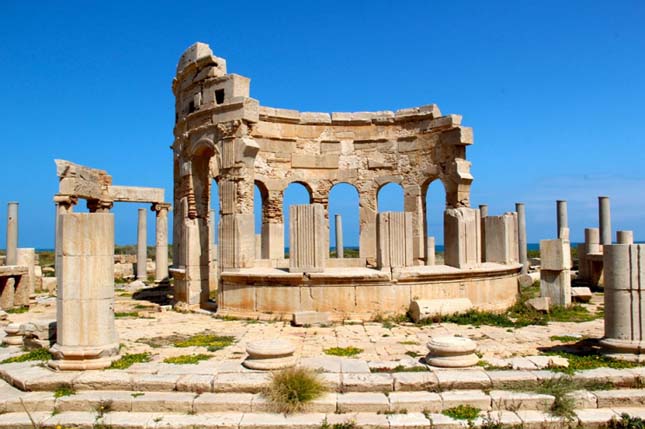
point(390, 196)
point(434, 202)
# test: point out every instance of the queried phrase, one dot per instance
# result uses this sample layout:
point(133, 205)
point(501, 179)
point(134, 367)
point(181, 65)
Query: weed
point(137, 394)
point(17, 310)
point(575, 313)
point(291, 389)
point(400, 368)
point(345, 425)
point(211, 342)
point(126, 361)
point(38, 354)
point(343, 351)
point(627, 422)
point(187, 359)
point(412, 354)
point(121, 315)
point(590, 360)
point(564, 338)
point(64, 391)
point(462, 412)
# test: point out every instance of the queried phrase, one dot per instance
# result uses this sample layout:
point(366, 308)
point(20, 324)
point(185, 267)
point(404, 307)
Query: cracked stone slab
point(360, 382)
point(463, 379)
point(415, 401)
point(365, 402)
point(474, 398)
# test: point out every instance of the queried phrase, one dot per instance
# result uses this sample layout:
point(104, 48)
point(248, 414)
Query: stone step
point(187, 378)
point(367, 402)
point(527, 419)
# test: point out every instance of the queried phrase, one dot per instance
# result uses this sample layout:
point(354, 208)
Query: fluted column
point(161, 241)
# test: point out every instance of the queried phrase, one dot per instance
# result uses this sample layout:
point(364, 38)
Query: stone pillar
point(483, 213)
point(12, 233)
point(27, 257)
point(272, 241)
point(340, 250)
point(86, 335)
point(555, 271)
point(592, 256)
point(142, 246)
point(522, 242)
point(64, 204)
point(161, 242)
point(430, 251)
point(604, 216)
point(592, 241)
point(462, 237)
point(395, 239)
point(413, 204)
point(562, 216)
point(501, 239)
point(625, 237)
point(367, 224)
point(624, 301)
point(307, 243)
point(212, 252)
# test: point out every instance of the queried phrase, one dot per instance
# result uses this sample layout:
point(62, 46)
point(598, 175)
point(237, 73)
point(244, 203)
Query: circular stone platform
point(267, 355)
point(452, 352)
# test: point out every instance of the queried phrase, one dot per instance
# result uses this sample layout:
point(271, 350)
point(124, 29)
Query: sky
point(554, 91)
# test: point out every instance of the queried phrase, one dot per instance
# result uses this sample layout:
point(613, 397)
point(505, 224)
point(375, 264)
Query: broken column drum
point(226, 138)
point(624, 273)
point(86, 338)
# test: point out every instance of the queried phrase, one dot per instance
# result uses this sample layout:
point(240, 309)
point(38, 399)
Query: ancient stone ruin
point(225, 138)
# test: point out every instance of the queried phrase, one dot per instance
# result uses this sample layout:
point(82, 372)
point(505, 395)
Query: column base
point(82, 358)
point(623, 346)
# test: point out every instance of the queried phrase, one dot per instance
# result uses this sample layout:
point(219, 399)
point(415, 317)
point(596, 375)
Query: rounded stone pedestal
point(14, 335)
point(614, 345)
point(452, 352)
point(76, 358)
point(268, 355)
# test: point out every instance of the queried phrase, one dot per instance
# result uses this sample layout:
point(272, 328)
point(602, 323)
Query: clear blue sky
point(553, 89)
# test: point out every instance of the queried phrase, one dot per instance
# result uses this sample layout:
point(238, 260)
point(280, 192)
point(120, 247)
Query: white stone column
point(142, 246)
point(340, 249)
point(522, 242)
point(562, 216)
point(430, 251)
point(27, 256)
point(604, 217)
point(308, 249)
point(86, 335)
point(592, 241)
point(624, 301)
point(161, 242)
point(625, 237)
point(395, 239)
point(258, 246)
point(462, 237)
point(12, 233)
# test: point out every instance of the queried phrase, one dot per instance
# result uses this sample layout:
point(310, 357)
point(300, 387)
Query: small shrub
point(291, 389)
point(462, 412)
point(345, 425)
point(187, 359)
point(38, 354)
point(126, 361)
point(401, 368)
point(627, 422)
point(343, 351)
point(64, 391)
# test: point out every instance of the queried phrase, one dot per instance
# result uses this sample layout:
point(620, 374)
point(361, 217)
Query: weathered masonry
point(224, 137)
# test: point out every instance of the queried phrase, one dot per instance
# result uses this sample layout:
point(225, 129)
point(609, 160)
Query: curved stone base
point(270, 364)
point(362, 293)
point(459, 361)
point(623, 346)
point(83, 357)
point(12, 340)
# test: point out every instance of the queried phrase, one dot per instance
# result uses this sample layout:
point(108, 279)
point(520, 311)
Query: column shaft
point(142, 251)
point(340, 250)
point(161, 242)
point(562, 216)
point(604, 217)
point(12, 233)
point(521, 236)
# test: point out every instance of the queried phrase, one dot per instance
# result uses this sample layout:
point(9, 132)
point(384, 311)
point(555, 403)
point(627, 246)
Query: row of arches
point(343, 200)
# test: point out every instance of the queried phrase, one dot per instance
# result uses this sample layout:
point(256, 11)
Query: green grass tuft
point(38, 354)
point(626, 422)
point(187, 359)
point(590, 360)
point(565, 338)
point(120, 315)
point(64, 391)
point(343, 351)
point(211, 342)
point(462, 412)
point(401, 368)
point(126, 361)
point(17, 310)
point(345, 425)
point(291, 389)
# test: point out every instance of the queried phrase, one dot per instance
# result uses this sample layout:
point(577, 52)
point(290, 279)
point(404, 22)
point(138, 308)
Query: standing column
point(483, 213)
point(563, 217)
point(483, 210)
point(161, 242)
point(340, 250)
point(625, 237)
point(64, 204)
point(521, 236)
point(605, 220)
point(142, 254)
point(12, 233)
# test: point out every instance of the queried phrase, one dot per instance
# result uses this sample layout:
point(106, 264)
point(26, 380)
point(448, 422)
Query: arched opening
point(296, 193)
point(434, 207)
point(260, 194)
point(390, 198)
point(343, 201)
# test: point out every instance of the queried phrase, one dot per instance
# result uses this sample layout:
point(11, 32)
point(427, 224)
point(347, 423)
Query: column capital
point(100, 206)
point(65, 200)
point(157, 207)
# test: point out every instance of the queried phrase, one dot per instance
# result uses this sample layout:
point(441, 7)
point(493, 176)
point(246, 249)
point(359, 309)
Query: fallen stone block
point(541, 304)
point(581, 294)
point(427, 308)
point(302, 318)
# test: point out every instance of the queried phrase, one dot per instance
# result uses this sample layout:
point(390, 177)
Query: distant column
point(604, 217)
point(340, 250)
point(12, 233)
point(521, 236)
point(483, 212)
point(625, 237)
point(563, 217)
point(142, 250)
point(161, 242)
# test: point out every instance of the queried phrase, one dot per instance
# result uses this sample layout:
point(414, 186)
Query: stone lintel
point(136, 194)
